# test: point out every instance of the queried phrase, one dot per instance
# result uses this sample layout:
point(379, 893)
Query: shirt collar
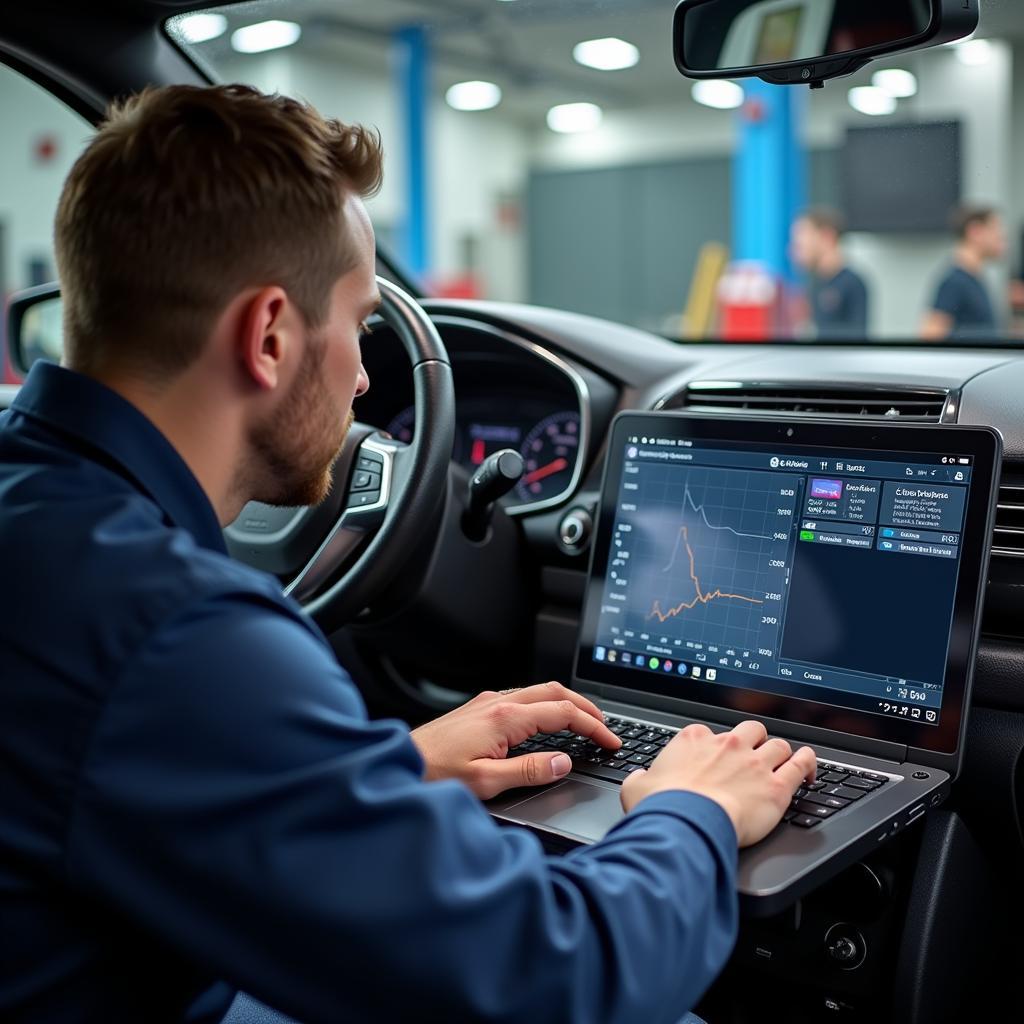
point(91, 414)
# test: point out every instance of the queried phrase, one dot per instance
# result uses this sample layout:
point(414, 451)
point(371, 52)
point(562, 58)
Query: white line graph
point(699, 509)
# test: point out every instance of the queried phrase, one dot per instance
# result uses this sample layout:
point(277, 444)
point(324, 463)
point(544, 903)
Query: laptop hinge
point(886, 751)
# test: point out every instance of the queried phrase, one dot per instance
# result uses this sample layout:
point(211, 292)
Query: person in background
point(962, 306)
point(838, 294)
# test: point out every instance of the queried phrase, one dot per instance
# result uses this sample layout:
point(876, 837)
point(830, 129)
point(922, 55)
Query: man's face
point(805, 244)
point(298, 443)
point(993, 238)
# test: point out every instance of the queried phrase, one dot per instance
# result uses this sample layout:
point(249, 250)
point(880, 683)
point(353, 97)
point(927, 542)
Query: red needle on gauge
point(552, 467)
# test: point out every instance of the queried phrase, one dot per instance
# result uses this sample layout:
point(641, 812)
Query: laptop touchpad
point(575, 808)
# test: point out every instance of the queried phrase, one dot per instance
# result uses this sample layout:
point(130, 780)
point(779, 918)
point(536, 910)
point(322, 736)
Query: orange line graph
point(701, 598)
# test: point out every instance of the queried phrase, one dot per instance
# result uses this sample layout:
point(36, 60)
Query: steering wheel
point(337, 557)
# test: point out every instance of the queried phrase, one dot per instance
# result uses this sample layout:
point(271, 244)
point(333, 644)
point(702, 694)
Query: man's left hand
point(471, 743)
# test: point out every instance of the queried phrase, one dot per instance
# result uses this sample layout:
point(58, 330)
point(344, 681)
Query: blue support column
point(412, 66)
point(770, 186)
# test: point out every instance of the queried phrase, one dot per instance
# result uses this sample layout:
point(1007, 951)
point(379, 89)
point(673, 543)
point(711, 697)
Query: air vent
point(1008, 540)
point(920, 405)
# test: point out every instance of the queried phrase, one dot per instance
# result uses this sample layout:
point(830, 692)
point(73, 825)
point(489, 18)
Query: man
point(192, 793)
point(838, 295)
point(962, 307)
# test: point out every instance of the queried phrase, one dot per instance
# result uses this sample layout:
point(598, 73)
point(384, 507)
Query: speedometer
point(550, 452)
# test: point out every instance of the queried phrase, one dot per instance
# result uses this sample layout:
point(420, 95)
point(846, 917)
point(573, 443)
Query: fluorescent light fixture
point(199, 28)
point(265, 35)
point(473, 96)
point(974, 52)
point(611, 54)
point(575, 117)
point(718, 93)
point(896, 82)
point(870, 100)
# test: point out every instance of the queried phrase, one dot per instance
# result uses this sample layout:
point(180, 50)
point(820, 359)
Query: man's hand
point(471, 742)
point(751, 777)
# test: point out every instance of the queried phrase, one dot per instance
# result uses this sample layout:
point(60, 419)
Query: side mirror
point(35, 328)
point(806, 42)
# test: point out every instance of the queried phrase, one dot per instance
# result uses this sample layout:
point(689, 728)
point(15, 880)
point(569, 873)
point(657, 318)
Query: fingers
point(554, 691)
point(753, 734)
point(492, 776)
point(520, 721)
point(775, 752)
point(696, 730)
point(629, 794)
point(800, 767)
point(808, 761)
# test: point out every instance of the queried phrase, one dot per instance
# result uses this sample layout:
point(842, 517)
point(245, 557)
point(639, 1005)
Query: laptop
point(824, 577)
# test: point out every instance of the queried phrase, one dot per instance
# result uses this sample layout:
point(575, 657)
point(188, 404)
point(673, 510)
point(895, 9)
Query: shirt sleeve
point(948, 297)
point(236, 801)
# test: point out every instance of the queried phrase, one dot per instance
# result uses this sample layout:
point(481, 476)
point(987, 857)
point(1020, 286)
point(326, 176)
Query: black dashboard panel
point(510, 393)
point(985, 388)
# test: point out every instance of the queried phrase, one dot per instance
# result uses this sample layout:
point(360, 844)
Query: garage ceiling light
point(199, 28)
point(718, 93)
point(870, 100)
point(895, 82)
point(974, 52)
point(265, 35)
point(610, 54)
point(575, 117)
point(473, 96)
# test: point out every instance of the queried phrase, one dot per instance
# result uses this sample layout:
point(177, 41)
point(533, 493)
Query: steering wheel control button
point(370, 463)
point(366, 481)
point(574, 531)
point(845, 946)
point(363, 498)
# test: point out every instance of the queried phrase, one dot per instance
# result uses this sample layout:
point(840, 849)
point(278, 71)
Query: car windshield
point(550, 153)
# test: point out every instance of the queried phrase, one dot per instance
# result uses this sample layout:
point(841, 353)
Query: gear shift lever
point(495, 477)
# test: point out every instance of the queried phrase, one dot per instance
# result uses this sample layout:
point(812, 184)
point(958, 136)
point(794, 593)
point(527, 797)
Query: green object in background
point(806, 535)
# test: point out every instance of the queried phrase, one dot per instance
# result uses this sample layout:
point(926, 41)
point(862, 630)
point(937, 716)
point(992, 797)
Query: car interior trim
point(582, 397)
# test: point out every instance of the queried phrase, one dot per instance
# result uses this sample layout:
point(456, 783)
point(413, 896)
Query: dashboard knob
point(574, 531)
point(845, 946)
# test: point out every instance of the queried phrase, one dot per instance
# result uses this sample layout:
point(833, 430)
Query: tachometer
point(549, 451)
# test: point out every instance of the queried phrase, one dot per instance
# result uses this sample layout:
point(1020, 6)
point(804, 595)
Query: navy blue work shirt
point(963, 297)
point(193, 800)
point(839, 306)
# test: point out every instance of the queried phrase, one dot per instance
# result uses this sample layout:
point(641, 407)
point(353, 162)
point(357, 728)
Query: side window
point(42, 139)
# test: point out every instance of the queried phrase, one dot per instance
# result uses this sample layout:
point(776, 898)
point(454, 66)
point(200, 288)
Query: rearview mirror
point(793, 42)
point(35, 328)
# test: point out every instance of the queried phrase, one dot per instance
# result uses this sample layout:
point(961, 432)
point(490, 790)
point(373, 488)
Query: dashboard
point(549, 441)
point(522, 372)
point(510, 393)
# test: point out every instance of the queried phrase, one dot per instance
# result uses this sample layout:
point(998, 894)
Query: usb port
point(915, 812)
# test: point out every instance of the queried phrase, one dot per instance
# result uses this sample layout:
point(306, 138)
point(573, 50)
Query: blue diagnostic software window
point(822, 575)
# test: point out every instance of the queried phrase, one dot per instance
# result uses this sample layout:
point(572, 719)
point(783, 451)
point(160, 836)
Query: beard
point(294, 449)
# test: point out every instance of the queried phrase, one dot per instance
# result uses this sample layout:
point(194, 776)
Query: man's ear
point(264, 334)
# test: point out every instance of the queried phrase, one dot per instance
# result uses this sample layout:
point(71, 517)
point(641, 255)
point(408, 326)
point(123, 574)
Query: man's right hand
point(750, 776)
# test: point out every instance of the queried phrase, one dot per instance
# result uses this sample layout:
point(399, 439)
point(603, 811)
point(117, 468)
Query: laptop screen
point(824, 573)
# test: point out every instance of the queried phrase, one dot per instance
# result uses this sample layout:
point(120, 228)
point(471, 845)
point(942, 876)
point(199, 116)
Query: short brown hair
point(965, 217)
point(824, 218)
point(185, 197)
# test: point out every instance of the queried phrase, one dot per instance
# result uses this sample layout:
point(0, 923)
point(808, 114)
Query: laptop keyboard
point(834, 788)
